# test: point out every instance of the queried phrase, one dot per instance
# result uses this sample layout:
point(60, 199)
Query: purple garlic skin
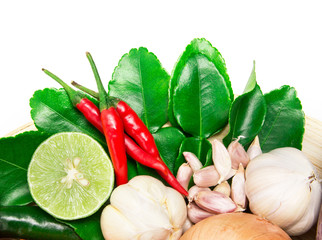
point(206, 177)
point(215, 202)
point(237, 154)
point(184, 175)
point(221, 159)
point(238, 194)
point(193, 161)
point(196, 214)
point(254, 149)
point(194, 190)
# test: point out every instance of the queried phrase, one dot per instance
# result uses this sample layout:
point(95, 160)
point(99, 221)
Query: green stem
point(85, 89)
point(74, 96)
point(104, 103)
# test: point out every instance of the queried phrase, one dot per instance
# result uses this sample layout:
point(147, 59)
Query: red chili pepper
point(93, 115)
point(81, 102)
point(113, 129)
point(148, 160)
point(133, 125)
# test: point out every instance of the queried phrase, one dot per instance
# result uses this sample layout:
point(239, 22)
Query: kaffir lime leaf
point(70, 176)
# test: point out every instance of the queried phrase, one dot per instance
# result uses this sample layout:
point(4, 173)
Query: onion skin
point(319, 227)
point(235, 226)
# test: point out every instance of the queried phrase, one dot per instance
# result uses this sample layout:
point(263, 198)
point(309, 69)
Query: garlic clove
point(231, 173)
point(221, 159)
point(237, 154)
point(309, 217)
point(187, 224)
point(184, 175)
point(176, 208)
point(266, 190)
point(144, 186)
point(206, 177)
point(254, 149)
point(197, 214)
point(238, 194)
point(111, 220)
point(194, 190)
point(223, 188)
point(192, 160)
point(127, 199)
point(215, 202)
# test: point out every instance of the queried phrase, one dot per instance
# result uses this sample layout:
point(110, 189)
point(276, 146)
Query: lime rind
point(48, 167)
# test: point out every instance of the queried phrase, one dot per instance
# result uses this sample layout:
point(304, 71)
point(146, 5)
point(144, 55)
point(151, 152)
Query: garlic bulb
point(282, 186)
point(144, 209)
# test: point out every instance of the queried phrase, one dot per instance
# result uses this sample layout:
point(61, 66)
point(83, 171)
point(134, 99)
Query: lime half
point(70, 176)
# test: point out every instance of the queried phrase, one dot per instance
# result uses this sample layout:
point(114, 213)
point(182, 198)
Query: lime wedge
point(70, 176)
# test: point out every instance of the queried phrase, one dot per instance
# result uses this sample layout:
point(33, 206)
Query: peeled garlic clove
point(194, 190)
point(221, 159)
point(192, 160)
point(215, 202)
point(254, 149)
point(196, 214)
point(184, 175)
point(206, 177)
point(223, 188)
point(237, 154)
point(238, 194)
point(187, 224)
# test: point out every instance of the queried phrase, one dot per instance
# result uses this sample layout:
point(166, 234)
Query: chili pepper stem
point(74, 96)
point(85, 89)
point(112, 127)
point(104, 103)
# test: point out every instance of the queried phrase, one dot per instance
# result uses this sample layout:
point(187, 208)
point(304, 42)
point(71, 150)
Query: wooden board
point(312, 147)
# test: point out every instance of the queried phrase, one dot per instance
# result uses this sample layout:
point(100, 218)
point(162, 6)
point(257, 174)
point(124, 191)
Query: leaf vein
point(12, 164)
point(272, 126)
point(142, 93)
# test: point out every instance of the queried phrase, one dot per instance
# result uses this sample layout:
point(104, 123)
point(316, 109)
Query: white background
point(284, 37)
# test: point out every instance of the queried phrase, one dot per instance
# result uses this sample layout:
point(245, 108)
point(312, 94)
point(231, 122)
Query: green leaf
point(132, 170)
point(53, 112)
point(140, 80)
point(15, 155)
point(284, 122)
point(247, 113)
point(31, 222)
point(201, 99)
point(199, 146)
point(209, 160)
point(87, 228)
point(168, 141)
point(197, 46)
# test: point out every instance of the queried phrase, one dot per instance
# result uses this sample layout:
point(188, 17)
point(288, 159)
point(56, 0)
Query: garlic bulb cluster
point(144, 209)
point(282, 186)
point(223, 198)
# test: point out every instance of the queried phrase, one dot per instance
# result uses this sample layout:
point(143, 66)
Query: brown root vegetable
point(235, 226)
